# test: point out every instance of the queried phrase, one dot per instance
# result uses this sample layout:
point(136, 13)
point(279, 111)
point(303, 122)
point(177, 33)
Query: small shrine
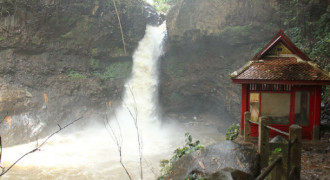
point(281, 82)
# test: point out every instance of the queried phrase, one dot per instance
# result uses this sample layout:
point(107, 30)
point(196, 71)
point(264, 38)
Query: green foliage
point(232, 132)
point(236, 32)
point(313, 38)
point(164, 5)
point(174, 66)
point(67, 35)
point(277, 150)
point(7, 7)
point(166, 166)
point(1, 38)
point(76, 75)
point(119, 52)
point(188, 148)
point(83, 27)
point(95, 51)
point(274, 154)
point(117, 70)
point(326, 94)
point(94, 63)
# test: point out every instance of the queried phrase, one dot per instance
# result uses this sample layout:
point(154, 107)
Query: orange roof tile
point(278, 66)
point(281, 69)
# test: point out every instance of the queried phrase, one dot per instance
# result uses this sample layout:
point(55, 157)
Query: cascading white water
point(140, 96)
point(92, 153)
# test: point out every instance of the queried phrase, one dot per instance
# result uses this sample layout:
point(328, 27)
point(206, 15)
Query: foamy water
point(87, 154)
point(92, 152)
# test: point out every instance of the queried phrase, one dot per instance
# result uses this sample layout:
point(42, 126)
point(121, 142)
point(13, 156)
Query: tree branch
point(4, 171)
point(121, 28)
point(135, 119)
point(118, 140)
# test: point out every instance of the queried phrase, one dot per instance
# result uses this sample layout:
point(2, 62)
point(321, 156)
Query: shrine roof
point(280, 61)
point(281, 69)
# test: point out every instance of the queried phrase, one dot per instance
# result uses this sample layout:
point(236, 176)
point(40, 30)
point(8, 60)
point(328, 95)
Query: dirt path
point(315, 159)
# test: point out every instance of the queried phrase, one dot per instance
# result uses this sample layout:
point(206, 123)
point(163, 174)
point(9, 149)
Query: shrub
point(188, 148)
point(76, 75)
point(232, 132)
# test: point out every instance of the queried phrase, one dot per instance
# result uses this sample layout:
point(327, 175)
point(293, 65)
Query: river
point(135, 128)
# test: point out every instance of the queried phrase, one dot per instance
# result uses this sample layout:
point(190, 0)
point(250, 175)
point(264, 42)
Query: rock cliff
point(209, 39)
point(62, 59)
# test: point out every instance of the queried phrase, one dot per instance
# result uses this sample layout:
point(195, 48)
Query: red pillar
point(244, 104)
point(317, 113)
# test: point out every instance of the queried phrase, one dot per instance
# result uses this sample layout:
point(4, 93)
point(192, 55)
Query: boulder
point(229, 174)
point(213, 158)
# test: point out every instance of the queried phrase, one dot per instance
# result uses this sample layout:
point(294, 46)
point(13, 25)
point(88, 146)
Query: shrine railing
point(283, 157)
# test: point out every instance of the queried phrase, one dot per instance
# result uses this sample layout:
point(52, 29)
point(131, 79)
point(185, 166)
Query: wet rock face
point(61, 59)
point(192, 19)
point(209, 39)
point(75, 26)
point(13, 98)
point(152, 16)
point(216, 157)
point(206, 41)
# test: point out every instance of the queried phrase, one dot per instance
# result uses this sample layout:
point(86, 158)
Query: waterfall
point(141, 90)
point(91, 153)
point(135, 125)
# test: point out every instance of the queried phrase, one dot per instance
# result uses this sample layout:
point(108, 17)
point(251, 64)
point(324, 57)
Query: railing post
point(295, 150)
point(263, 141)
point(278, 173)
point(247, 126)
point(278, 146)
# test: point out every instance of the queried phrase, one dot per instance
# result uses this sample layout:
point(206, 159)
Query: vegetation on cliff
point(307, 24)
point(226, 35)
point(164, 5)
point(67, 49)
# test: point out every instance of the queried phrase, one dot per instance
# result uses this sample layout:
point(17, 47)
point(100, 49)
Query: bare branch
point(135, 119)
point(118, 140)
point(38, 148)
point(139, 138)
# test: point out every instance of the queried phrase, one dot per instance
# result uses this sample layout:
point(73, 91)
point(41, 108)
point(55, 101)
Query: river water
point(135, 127)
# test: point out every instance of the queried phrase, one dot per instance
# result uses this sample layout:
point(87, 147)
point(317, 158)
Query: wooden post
point(263, 141)
point(247, 126)
point(244, 105)
point(295, 151)
point(278, 173)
